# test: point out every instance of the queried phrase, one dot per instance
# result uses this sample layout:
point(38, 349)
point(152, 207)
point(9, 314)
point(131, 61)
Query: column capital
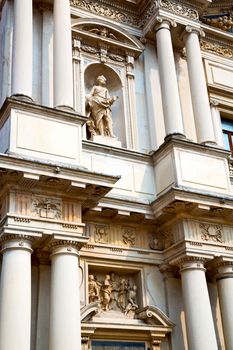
point(164, 23)
point(66, 246)
point(19, 241)
point(200, 32)
point(222, 268)
point(213, 102)
point(191, 263)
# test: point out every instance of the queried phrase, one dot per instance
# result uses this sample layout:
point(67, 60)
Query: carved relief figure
point(99, 109)
point(132, 300)
point(106, 293)
point(123, 289)
point(93, 288)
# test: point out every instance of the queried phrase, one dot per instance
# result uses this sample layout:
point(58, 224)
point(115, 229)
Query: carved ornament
point(179, 9)
point(211, 233)
point(224, 22)
point(216, 49)
point(48, 208)
point(113, 293)
point(129, 236)
point(101, 234)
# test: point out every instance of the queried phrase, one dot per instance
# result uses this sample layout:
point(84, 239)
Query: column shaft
point(200, 99)
point(15, 296)
point(225, 291)
point(65, 328)
point(198, 315)
point(63, 75)
point(168, 80)
point(216, 122)
point(22, 49)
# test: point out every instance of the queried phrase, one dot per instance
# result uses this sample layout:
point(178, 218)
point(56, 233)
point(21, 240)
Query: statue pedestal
point(105, 140)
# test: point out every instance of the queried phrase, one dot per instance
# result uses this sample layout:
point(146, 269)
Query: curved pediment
point(154, 316)
point(102, 33)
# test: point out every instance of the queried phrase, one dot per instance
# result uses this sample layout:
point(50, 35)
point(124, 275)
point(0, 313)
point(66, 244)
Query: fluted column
point(224, 278)
point(63, 76)
point(200, 99)
point(168, 79)
point(198, 315)
point(22, 49)
point(65, 324)
point(15, 294)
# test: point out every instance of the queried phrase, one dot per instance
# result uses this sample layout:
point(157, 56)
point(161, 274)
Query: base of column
point(211, 144)
point(65, 108)
point(174, 135)
point(22, 97)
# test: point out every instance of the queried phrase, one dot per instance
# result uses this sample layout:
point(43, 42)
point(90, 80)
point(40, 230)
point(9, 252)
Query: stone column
point(22, 49)
point(200, 99)
point(216, 122)
point(63, 74)
point(65, 324)
point(168, 79)
point(224, 278)
point(15, 294)
point(198, 315)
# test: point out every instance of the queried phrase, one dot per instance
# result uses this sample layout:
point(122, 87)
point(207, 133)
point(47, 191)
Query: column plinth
point(65, 324)
point(15, 294)
point(22, 50)
point(168, 79)
point(63, 74)
point(199, 93)
point(198, 315)
point(224, 279)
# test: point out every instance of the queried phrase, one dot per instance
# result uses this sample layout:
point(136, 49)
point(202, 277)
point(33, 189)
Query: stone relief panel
point(212, 233)
point(101, 234)
point(116, 292)
point(46, 207)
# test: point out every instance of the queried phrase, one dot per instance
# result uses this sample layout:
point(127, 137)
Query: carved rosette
point(211, 233)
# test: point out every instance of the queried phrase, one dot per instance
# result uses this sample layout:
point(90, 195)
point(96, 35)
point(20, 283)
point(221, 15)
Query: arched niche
point(103, 48)
point(114, 86)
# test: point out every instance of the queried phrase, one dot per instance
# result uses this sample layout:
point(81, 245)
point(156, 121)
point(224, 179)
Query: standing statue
point(93, 289)
point(98, 105)
point(106, 291)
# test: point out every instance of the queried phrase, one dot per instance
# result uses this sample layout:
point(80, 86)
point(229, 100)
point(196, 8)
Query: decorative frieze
point(224, 22)
point(179, 9)
point(216, 49)
point(128, 18)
